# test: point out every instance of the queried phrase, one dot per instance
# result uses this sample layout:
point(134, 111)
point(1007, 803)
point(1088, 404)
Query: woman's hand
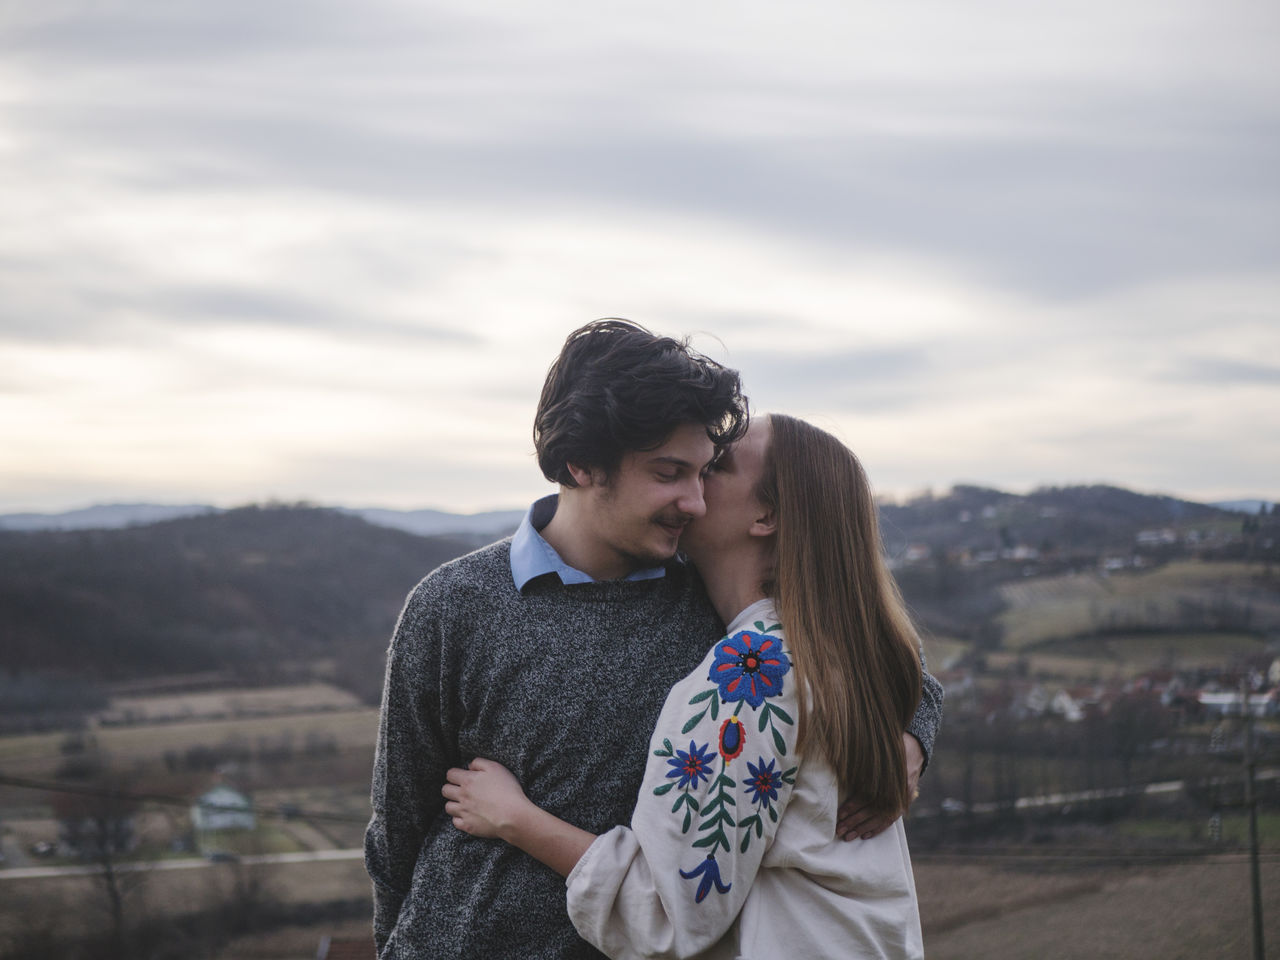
point(854, 821)
point(485, 800)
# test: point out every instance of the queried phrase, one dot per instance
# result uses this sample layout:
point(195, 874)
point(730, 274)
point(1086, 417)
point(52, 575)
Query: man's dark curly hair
point(617, 387)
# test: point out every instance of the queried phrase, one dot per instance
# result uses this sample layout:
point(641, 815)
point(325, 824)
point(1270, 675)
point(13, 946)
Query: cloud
point(870, 381)
point(1219, 371)
point(1057, 176)
point(985, 240)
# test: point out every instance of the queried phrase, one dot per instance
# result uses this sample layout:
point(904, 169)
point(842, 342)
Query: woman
point(732, 849)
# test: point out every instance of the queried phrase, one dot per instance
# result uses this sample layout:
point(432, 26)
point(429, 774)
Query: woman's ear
point(765, 525)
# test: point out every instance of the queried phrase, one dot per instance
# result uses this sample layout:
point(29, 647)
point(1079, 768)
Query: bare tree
point(100, 826)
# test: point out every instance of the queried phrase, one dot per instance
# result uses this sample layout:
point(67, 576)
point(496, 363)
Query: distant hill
point(241, 589)
point(1079, 519)
point(1245, 506)
point(113, 516)
point(249, 589)
point(435, 523)
point(104, 516)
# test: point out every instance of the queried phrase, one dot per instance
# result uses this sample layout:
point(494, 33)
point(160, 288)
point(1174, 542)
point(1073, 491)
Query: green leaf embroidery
point(664, 788)
point(693, 722)
point(779, 743)
point(782, 714)
point(717, 839)
point(719, 800)
point(720, 816)
point(698, 698)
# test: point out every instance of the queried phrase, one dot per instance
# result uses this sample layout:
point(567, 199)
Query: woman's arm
point(485, 800)
point(719, 776)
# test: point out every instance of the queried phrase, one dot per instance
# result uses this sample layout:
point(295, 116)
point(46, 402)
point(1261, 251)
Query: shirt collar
point(532, 556)
point(760, 610)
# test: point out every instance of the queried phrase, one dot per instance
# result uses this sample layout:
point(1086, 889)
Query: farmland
point(1004, 908)
point(1173, 598)
point(1064, 675)
point(990, 900)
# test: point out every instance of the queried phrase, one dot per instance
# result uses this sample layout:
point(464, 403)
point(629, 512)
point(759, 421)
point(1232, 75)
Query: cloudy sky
point(325, 251)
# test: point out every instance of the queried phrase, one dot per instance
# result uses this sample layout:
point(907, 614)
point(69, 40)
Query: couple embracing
point(591, 742)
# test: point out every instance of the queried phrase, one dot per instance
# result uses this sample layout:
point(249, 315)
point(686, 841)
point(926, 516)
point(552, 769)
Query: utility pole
point(1251, 802)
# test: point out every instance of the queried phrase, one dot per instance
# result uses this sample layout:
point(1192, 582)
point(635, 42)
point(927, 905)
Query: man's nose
point(691, 502)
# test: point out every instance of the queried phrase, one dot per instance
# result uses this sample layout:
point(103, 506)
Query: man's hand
point(855, 821)
point(484, 800)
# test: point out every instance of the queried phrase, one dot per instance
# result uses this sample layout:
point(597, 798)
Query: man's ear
point(583, 476)
point(765, 525)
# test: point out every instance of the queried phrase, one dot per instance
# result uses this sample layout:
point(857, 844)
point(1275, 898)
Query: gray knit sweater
point(562, 685)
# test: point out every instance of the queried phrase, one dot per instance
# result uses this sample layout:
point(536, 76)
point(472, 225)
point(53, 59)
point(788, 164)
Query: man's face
point(639, 514)
point(730, 494)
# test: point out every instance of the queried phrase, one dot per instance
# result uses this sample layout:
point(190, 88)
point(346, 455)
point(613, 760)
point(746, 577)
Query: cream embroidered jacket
point(731, 851)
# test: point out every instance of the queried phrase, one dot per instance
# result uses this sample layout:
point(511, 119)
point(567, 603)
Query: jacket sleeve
point(720, 772)
point(927, 722)
point(409, 763)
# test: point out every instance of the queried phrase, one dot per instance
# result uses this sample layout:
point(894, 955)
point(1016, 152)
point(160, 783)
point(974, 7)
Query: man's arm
point(927, 722)
point(409, 764)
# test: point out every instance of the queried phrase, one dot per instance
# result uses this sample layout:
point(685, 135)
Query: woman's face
point(730, 494)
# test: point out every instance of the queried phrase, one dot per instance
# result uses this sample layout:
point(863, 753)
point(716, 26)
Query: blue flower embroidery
point(709, 870)
point(749, 666)
point(692, 766)
point(763, 783)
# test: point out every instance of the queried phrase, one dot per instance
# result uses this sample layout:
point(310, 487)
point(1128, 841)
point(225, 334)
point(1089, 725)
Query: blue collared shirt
point(532, 556)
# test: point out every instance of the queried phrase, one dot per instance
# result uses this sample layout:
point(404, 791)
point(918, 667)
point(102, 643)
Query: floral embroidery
point(732, 738)
point(763, 783)
point(749, 667)
point(709, 870)
point(747, 671)
point(762, 787)
point(692, 766)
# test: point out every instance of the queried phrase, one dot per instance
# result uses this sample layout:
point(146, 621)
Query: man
point(552, 652)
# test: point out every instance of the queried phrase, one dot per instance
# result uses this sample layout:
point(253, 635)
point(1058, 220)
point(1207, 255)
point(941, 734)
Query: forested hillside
point(259, 590)
point(242, 590)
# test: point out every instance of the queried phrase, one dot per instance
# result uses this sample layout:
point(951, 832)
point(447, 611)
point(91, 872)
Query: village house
point(222, 808)
point(1230, 703)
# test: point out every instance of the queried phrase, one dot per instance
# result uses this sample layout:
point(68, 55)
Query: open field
point(941, 652)
point(226, 703)
point(1186, 911)
point(1235, 830)
point(39, 755)
point(49, 901)
point(1052, 608)
point(972, 906)
point(1122, 657)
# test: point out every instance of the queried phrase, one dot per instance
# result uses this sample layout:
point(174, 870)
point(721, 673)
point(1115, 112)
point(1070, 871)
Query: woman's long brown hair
point(852, 642)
